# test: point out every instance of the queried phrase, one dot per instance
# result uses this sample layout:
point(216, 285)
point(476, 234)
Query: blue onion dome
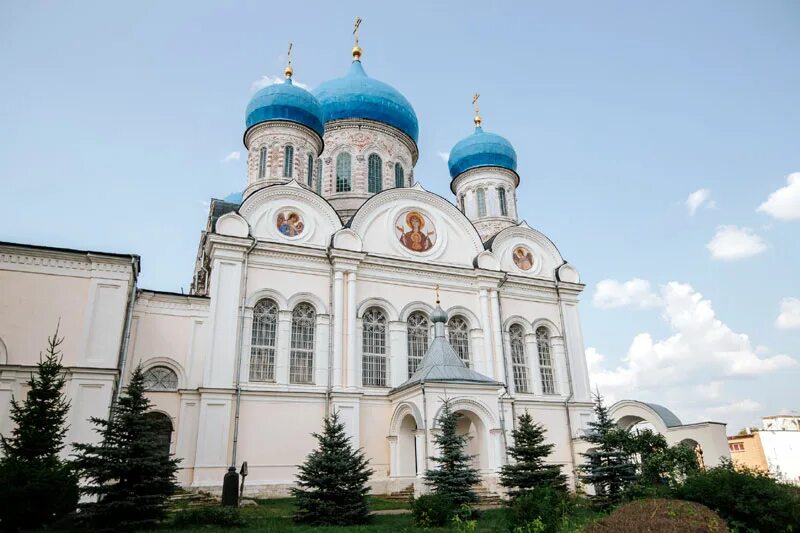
point(234, 198)
point(285, 101)
point(356, 95)
point(481, 149)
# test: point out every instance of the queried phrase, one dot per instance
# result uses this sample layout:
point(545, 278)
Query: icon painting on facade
point(415, 231)
point(523, 258)
point(290, 223)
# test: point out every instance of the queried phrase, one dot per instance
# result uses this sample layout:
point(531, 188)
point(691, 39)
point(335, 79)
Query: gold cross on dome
point(355, 28)
point(289, 53)
point(436, 290)
point(475, 102)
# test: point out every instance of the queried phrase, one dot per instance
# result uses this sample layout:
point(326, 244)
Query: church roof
point(481, 149)
point(670, 419)
point(285, 101)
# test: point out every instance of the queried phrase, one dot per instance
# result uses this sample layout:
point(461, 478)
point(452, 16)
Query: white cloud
point(789, 317)
point(711, 390)
point(611, 293)
point(444, 155)
point(271, 80)
point(698, 198)
point(732, 242)
point(233, 156)
point(784, 204)
point(725, 411)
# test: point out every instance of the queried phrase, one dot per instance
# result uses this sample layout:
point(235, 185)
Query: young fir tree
point(127, 474)
point(454, 476)
point(36, 486)
point(529, 470)
point(609, 467)
point(332, 483)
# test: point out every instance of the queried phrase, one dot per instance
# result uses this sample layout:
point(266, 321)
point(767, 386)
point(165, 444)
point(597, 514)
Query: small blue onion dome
point(285, 101)
point(481, 149)
point(356, 95)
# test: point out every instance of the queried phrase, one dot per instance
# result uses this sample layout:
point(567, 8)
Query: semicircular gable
point(290, 214)
point(525, 251)
point(438, 233)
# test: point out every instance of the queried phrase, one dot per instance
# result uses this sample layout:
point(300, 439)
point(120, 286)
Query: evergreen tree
point(454, 476)
point(609, 466)
point(36, 486)
point(332, 483)
point(529, 470)
point(128, 474)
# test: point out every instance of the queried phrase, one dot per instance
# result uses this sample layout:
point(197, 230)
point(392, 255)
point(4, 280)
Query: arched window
point(161, 428)
point(343, 172)
point(160, 378)
point(458, 335)
point(319, 176)
point(480, 196)
point(417, 328)
point(373, 348)
point(399, 175)
point(262, 341)
point(375, 165)
point(288, 161)
point(519, 364)
point(310, 171)
point(301, 364)
point(461, 203)
point(262, 162)
point(501, 197)
point(545, 361)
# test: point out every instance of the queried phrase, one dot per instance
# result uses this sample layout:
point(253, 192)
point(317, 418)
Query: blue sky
point(117, 118)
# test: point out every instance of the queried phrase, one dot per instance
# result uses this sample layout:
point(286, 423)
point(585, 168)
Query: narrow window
point(480, 195)
point(262, 162)
point(399, 175)
point(458, 335)
point(160, 378)
point(310, 171)
point(501, 197)
point(343, 172)
point(375, 173)
point(373, 348)
point(417, 328)
point(301, 360)
point(262, 341)
point(319, 176)
point(461, 203)
point(518, 360)
point(545, 361)
point(288, 161)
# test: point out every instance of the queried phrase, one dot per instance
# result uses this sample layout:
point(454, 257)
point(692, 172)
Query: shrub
point(207, 515)
point(658, 515)
point(747, 499)
point(541, 509)
point(462, 520)
point(433, 510)
point(34, 494)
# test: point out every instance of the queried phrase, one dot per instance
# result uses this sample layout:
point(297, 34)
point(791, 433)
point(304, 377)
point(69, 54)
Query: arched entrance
point(407, 458)
point(470, 425)
point(162, 427)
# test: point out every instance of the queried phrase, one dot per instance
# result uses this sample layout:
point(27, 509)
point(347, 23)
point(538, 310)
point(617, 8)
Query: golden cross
point(475, 102)
point(355, 28)
point(437, 294)
point(289, 53)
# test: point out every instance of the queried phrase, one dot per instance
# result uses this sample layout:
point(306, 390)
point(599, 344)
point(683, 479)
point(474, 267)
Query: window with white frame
point(262, 162)
point(399, 175)
point(458, 335)
point(343, 161)
point(480, 196)
point(375, 173)
point(417, 328)
point(160, 378)
point(545, 361)
point(310, 171)
point(373, 348)
point(301, 358)
point(262, 341)
point(288, 161)
point(501, 198)
point(519, 362)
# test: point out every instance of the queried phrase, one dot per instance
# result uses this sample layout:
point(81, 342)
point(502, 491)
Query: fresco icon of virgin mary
point(415, 231)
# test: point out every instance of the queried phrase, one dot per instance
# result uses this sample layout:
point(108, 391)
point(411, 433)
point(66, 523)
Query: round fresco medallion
point(289, 223)
point(523, 258)
point(415, 231)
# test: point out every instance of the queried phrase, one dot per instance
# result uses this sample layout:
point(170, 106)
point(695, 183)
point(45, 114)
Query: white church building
point(314, 290)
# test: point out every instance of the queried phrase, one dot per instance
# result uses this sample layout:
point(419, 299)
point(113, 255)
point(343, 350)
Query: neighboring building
point(775, 448)
point(746, 450)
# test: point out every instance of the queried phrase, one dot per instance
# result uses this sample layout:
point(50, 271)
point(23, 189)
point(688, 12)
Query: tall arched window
point(399, 175)
point(160, 378)
point(343, 172)
point(545, 361)
point(458, 335)
point(262, 162)
point(301, 358)
point(319, 176)
point(262, 341)
point(373, 348)
point(417, 328)
point(519, 364)
point(501, 198)
point(480, 196)
point(375, 168)
point(310, 171)
point(288, 161)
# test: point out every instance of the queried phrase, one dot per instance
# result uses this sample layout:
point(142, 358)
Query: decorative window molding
point(160, 378)
point(399, 175)
point(545, 361)
point(343, 172)
point(288, 161)
point(501, 199)
point(480, 197)
point(519, 360)
point(418, 329)
point(263, 341)
point(458, 336)
point(301, 358)
point(373, 348)
point(375, 173)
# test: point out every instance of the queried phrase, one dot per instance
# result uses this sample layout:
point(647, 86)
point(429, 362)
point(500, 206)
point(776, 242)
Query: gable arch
point(307, 297)
point(168, 362)
point(400, 412)
point(473, 406)
point(517, 319)
point(546, 256)
point(381, 303)
point(271, 294)
point(458, 310)
point(626, 413)
point(412, 307)
point(547, 324)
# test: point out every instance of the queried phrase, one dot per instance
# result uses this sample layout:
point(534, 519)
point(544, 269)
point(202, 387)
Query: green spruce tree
point(454, 475)
point(36, 486)
point(332, 483)
point(529, 452)
point(128, 476)
point(609, 466)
